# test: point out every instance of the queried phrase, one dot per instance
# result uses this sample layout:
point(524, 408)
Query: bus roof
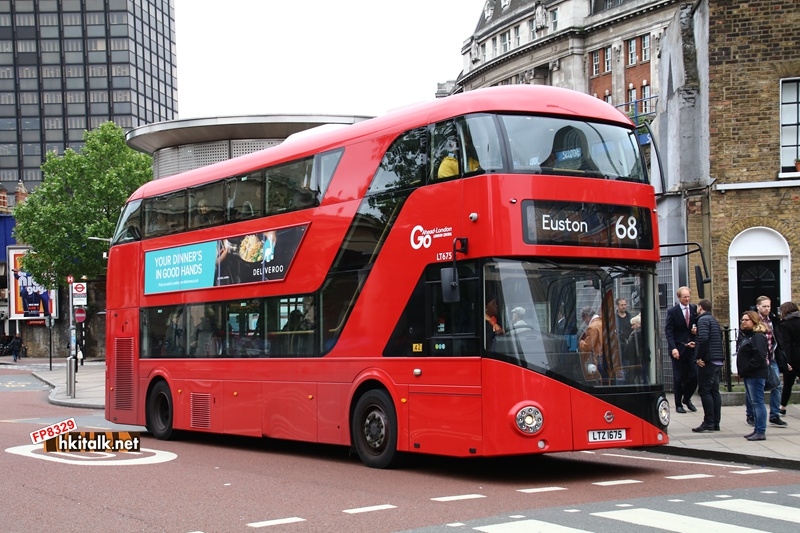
point(533, 99)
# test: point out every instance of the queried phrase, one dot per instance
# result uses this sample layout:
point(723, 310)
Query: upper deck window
point(571, 147)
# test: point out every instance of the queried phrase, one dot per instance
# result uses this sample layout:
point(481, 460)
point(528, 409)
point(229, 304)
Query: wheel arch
point(375, 379)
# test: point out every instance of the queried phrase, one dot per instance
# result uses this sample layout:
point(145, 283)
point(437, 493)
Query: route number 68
point(630, 231)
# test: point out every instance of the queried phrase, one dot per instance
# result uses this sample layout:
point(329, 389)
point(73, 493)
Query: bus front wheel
point(374, 429)
point(160, 411)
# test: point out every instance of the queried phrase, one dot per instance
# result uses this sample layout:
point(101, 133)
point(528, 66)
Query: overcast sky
point(348, 57)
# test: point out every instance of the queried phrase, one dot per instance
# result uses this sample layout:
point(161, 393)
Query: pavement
point(780, 450)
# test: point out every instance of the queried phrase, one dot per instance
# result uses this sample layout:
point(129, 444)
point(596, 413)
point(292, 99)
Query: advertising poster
point(263, 256)
point(27, 299)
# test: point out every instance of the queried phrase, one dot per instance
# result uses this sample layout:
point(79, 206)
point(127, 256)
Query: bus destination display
point(586, 224)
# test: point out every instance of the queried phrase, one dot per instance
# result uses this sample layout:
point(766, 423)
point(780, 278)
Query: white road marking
point(678, 461)
point(540, 489)
point(369, 509)
point(673, 522)
point(690, 476)
point(278, 522)
point(761, 509)
point(616, 482)
point(456, 498)
point(755, 471)
point(526, 526)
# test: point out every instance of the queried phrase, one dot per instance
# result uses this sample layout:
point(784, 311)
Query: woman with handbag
point(751, 361)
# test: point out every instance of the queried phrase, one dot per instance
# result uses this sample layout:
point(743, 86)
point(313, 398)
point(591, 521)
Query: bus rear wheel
point(374, 430)
point(160, 411)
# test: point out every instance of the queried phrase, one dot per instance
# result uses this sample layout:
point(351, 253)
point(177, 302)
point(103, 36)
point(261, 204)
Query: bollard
point(71, 376)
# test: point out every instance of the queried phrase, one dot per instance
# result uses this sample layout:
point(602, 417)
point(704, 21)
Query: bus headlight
point(663, 411)
point(529, 420)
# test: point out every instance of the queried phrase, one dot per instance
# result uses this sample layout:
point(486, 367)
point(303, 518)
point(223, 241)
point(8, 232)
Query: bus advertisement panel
point(442, 280)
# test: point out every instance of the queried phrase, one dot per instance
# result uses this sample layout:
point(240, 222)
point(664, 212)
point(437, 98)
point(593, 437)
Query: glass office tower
point(67, 66)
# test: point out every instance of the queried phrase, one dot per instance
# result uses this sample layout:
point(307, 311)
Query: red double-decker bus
point(441, 280)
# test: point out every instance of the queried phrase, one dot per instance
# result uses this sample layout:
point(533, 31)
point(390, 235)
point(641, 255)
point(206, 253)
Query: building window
point(607, 59)
point(73, 45)
point(76, 97)
point(533, 29)
point(6, 46)
point(517, 37)
point(790, 123)
point(95, 45)
point(95, 19)
point(74, 71)
point(6, 73)
point(505, 42)
point(118, 18)
point(52, 97)
point(120, 70)
point(645, 48)
point(632, 52)
point(76, 123)
point(5, 20)
point(51, 72)
point(608, 99)
point(646, 102)
point(71, 19)
point(48, 19)
point(98, 71)
point(632, 99)
point(494, 47)
point(26, 46)
point(98, 96)
point(554, 19)
point(596, 63)
point(7, 98)
point(28, 73)
point(26, 19)
point(119, 44)
point(51, 45)
point(28, 98)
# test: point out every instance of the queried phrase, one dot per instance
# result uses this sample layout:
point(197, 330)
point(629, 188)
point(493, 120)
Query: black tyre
point(160, 412)
point(373, 429)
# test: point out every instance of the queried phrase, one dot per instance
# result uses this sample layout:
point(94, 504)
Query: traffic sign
point(80, 314)
point(79, 294)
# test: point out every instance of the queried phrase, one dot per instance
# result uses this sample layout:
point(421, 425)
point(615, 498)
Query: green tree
point(80, 196)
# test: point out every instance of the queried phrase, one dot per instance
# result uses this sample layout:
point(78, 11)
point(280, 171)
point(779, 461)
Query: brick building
point(729, 123)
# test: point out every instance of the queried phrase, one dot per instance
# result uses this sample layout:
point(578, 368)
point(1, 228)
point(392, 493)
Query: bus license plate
point(607, 435)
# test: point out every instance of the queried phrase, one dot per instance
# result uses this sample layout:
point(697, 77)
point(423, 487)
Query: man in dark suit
point(680, 331)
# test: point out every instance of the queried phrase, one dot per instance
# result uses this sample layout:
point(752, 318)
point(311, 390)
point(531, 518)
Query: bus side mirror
point(700, 281)
point(450, 289)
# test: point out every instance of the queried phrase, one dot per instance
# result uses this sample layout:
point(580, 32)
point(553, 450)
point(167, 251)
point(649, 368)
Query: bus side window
point(245, 197)
point(404, 164)
point(291, 187)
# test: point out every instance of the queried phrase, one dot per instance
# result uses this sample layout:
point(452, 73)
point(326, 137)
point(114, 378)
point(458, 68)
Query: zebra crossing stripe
point(673, 522)
point(761, 509)
point(526, 526)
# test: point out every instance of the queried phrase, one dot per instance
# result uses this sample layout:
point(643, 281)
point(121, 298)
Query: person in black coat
point(710, 356)
point(752, 352)
point(680, 330)
point(790, 340)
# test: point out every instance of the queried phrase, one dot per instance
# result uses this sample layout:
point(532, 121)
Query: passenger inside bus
point(205, 216)
point(570, 151)
point(448, 167)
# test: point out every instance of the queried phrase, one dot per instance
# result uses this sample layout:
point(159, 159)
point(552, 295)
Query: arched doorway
point(758, 264)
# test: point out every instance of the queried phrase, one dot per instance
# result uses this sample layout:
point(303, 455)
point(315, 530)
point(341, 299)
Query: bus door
point(445, 392)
